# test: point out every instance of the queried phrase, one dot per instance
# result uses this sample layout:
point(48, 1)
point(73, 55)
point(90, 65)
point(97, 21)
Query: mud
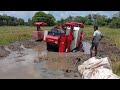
point(30, 59)
point(86, 46)
point(28, 44)
point(65, 62)
point(15, 47)
point(108, 49)
point(3, 52)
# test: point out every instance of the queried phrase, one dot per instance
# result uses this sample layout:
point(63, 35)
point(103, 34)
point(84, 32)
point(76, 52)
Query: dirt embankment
point(6, 50)
point(3, 52)
point(109, 49)
point(15, 47)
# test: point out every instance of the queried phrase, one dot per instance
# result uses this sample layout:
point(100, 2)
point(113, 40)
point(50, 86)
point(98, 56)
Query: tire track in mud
point(65, 62)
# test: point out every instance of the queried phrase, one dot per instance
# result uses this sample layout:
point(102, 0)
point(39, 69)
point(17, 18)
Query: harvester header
point(40, 24)
point(38, 34)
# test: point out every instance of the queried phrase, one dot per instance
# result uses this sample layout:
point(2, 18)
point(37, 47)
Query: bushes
point(115, 23)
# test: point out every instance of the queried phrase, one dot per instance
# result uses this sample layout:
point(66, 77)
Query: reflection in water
point(87, 47)
point(45, 72)
point(21, 64)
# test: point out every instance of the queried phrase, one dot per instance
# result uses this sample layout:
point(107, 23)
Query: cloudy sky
point(57, 14)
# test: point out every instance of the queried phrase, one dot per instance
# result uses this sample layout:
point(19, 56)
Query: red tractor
point(67, 39)
point(39, 33)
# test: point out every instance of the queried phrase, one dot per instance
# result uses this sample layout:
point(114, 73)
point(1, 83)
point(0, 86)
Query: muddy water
point(37, 63)
point(21, 65)
point(87, 47)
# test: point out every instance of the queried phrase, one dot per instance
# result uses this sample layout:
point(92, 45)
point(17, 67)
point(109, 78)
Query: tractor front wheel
point(48, 47)
point(52, 47)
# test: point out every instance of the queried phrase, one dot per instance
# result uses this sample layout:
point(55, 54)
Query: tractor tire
point(52, 47)
point(48, 47)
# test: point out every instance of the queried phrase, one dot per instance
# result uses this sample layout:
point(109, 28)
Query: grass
point(116, 68)
point(110, 35)
point(9, 34)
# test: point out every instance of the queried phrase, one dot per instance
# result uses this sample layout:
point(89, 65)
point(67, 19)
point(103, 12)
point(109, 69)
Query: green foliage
point(88, 19)
point(115, 23)
point(50, 20)
point(101, 20)
point(69, 19)
point(29, 23)
point(41, 16)
point(59, 22)
point(116, 67)
point(94, 19)
point(10, 21)
point(79, 19)
point(10, 34)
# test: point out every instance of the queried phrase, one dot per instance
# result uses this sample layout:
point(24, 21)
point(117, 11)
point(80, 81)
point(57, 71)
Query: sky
point(57, 14)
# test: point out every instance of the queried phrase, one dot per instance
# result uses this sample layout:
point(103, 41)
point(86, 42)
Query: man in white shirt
point(97, 36)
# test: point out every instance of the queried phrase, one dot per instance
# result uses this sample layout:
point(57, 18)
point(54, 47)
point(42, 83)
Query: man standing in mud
point(97, 36)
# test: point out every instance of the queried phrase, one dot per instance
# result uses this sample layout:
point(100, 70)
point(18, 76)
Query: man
point(97, 36)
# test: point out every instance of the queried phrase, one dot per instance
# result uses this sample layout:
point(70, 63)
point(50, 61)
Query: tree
point(4, 22)
point(69, 19)
point(26, 24)
point(62, 20)
point(101, 20)
point(79, 19)
point(21, 21)
point(50, 20)
point(115, 23)
point(58, 23)
point(88, 19)
point(108, 21)
point(41, 16)
point(10, 22)
point(29, 22)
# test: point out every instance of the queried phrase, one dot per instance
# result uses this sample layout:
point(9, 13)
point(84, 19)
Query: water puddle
point(20, 65)
point(87, 47)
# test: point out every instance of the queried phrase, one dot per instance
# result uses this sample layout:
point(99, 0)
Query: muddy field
point(30, 59)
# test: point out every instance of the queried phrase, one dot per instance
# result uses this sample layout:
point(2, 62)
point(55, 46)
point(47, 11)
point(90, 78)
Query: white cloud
point(21, 14)
point(46, 12)
point(58, 14)
point(65, 14)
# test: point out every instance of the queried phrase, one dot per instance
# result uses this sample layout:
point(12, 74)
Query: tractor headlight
point(56, 42)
